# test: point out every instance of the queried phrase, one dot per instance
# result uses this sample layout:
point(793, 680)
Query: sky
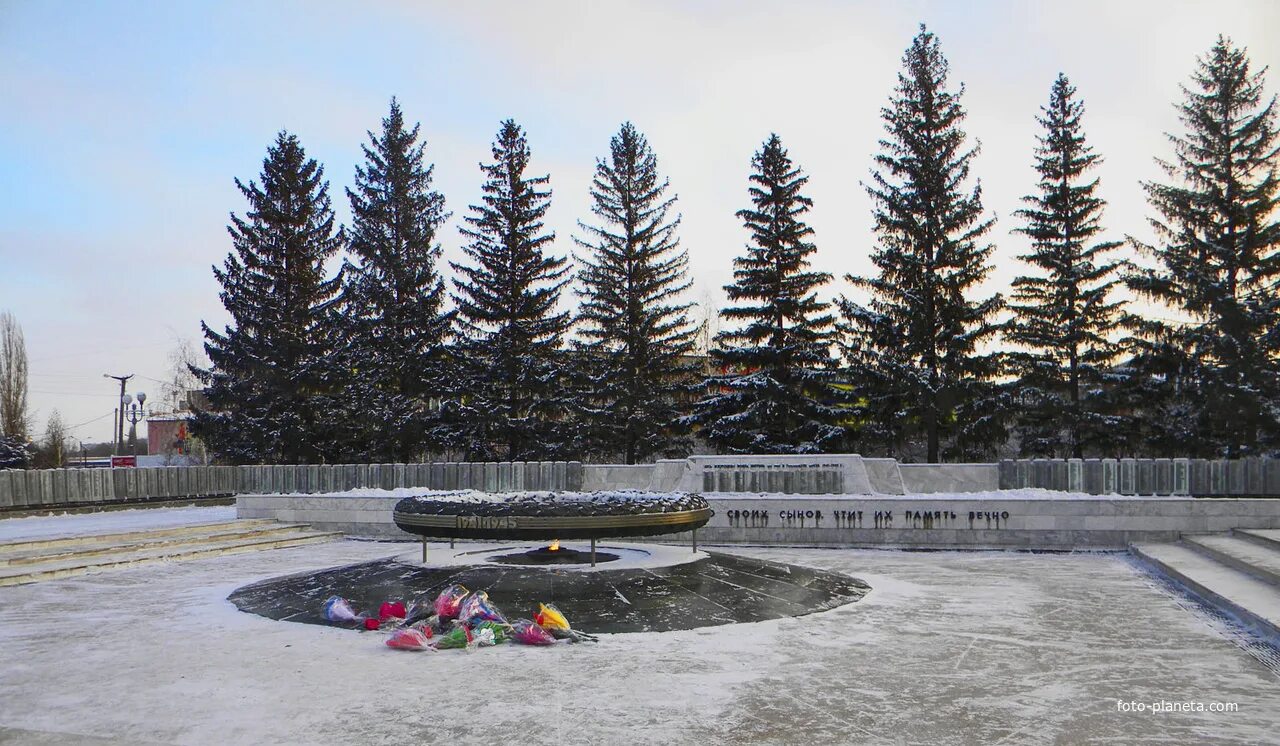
point(123, 125)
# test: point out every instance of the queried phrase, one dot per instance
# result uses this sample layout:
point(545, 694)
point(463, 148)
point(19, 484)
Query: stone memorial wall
point(827, 474)
point(1253, 477)
point(77, 487)
point(965, 523)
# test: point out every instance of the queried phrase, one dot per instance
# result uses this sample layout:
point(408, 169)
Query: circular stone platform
point(647, 593)
point(550, 515)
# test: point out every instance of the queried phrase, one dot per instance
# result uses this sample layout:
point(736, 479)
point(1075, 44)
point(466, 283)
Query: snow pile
point(547, 496)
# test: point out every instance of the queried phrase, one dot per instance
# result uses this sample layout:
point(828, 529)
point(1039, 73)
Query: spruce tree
point(1063, 318)
point(15, 452)
point(1217, 262)
point(638, 335)
point(395, 314)
point(511, 399)
point(272, 381)
point(915, 352)
point(774, 394)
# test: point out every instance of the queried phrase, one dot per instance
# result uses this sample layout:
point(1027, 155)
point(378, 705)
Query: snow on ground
point(110, 521)
point(949, 647)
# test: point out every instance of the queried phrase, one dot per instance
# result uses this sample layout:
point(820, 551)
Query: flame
point(554, 547)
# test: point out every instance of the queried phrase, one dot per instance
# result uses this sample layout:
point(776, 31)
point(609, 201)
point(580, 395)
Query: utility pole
point(119, 412)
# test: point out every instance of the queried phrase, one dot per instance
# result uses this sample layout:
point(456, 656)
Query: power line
point(79, 425)
point(66, 393)
point(68, 428)
point(89, 422)
point(95, 352)
point(155, 380)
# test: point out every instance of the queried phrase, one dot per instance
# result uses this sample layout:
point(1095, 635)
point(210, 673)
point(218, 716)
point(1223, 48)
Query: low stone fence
point(823, 474)
point(76, 487)
point(1254, 477)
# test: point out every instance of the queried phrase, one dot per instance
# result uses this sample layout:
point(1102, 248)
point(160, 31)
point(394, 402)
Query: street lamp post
point(119, 423)
point(133, 412)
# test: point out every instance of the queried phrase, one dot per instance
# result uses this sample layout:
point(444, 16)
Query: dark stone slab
point(1163, 476)
point(1008, 475)
point(1146, 477)
point(1271, 477)
point(1058, 478)
point(720, 589)
point(1201, 482)
point(1254, 479)
point(1092, 476)
point(1041, 475)
point(1235, 477)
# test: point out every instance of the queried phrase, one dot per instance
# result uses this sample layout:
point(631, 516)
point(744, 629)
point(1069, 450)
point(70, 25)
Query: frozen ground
point(947, 648)
point(110, 521)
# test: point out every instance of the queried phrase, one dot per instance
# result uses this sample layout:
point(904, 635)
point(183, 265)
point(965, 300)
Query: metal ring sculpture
point(551, 515)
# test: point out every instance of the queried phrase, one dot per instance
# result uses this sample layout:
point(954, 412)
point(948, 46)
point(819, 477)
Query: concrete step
point(1253, 601)
point(124, 536)
point(20, 574)
point(1267, 537)
point(145, 540)
point(1260, 561)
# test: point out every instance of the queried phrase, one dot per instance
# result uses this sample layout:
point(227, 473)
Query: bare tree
point(53, 451)
point(709, 323)
point(14, 419)
point(181, 380)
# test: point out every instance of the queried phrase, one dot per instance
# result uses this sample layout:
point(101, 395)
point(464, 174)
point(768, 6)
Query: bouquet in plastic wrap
point(390, 610)
point(449, 602)
point(419, 610)
point(492, 633)
point(477, 608)
point(529, 632)
point(408, 638)
point(555, 622)
point(457, 638)
point(338, 609)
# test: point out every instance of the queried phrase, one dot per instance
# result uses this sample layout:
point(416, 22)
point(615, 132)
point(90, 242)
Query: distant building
point(167, 434)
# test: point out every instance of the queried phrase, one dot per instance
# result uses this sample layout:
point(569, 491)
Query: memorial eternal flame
point(1194, 521)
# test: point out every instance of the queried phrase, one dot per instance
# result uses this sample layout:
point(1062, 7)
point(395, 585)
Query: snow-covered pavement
point(110, 521)
point(947, 648)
